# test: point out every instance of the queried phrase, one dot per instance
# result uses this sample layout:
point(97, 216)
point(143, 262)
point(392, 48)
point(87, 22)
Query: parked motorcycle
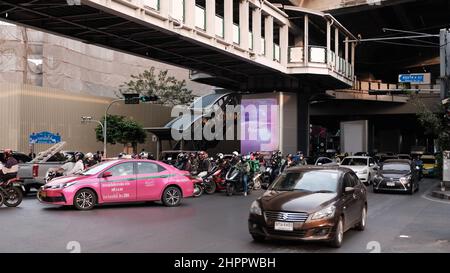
point(204, 184)
point(233, 180)
point(11, 192)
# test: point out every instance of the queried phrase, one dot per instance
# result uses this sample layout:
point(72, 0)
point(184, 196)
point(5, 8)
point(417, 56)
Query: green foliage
point(170, 91)
point(435, 125)
point(121, 130)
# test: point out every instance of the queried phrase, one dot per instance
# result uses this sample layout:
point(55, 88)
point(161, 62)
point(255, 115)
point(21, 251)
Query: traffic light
point(149, 98)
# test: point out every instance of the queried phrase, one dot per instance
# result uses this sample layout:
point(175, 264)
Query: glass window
point(59, 157)
point(348, 181)
point(356, 180)
point(122, 169)
point(401, 167)
point(312, 181)
point(148, 167)
point(351, 161)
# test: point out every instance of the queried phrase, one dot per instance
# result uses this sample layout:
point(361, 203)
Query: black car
point(398, 175)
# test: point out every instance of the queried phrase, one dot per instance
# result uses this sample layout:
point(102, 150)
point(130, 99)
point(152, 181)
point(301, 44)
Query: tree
point(435, 125)
point(168, 89)
point(122, 130)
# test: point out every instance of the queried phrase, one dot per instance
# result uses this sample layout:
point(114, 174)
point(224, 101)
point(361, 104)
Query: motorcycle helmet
point(235, 153)
point(150, 156)
point(121, 155)
point(143, 155)
point(220, 156)
point(70, 158)
point(79, 156)
point(89, 156)
point(180, 156)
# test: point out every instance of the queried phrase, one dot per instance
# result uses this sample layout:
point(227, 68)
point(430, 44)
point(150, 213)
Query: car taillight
point(35, 170)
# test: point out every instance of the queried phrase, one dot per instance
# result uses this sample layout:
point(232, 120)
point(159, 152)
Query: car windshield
point(349, 161)
point(428, 161)
point(311, 181)
point(401, 167)
point(98, 168)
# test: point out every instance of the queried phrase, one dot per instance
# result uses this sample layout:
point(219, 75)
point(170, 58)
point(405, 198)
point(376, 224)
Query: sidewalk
point(438, 193)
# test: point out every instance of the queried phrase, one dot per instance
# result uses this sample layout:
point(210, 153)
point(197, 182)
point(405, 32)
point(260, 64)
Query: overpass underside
point(151, 34)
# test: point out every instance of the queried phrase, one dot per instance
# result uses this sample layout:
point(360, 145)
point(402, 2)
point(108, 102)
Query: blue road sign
point(412, 78)
point(45, 138)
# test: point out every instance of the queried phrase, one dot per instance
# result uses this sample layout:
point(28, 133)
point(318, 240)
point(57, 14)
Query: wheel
point(210, 187)
point(2, 199)
point(230, 189)
point(362, 224)
point(198, 190)
point(85, 199)
point(258, 238)
point(172, 197)
point(339, 234)
point(13, 197)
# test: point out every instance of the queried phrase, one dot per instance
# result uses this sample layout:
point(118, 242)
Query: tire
point(339, 234)
point(84, 199)
point(2, 199)
point(258, 238)
point(172, 197)
point(14, 197)
point(362, 224)
point(229, 189)
point(210, 187)
point(198, 190)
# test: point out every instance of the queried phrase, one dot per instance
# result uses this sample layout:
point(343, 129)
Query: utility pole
point(445, 62)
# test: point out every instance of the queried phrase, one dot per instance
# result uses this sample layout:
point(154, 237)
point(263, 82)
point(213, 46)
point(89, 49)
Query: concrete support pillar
point(244, 18)
point(306, 41)
point(336, 41)
point(228, 20)
point(189, 13)
point(284, 45)
point(268, 23)
point(303, 128)
point(210, 17)
point(353, 58)
point(328, 37)
point(346, 49)
point(256, 24)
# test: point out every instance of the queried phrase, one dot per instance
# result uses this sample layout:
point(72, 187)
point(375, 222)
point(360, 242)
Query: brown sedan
point(310, 203)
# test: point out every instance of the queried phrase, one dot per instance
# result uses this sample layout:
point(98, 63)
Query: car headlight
point(325, 213)
point(62, 186)
point(405, 180)
point(255, 208)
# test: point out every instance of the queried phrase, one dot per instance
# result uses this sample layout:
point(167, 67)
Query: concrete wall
point(27, 109)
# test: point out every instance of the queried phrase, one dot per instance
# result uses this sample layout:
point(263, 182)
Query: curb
point(441, 194)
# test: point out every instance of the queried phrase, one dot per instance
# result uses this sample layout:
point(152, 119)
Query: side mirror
point(349, 190)
point(106, 174)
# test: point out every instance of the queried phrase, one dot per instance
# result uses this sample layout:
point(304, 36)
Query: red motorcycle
point(217, 178)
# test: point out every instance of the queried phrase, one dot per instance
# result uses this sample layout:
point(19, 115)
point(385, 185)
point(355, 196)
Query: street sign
point(44, 138)
point(418, 78)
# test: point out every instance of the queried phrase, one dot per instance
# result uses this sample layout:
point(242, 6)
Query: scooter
point(11, 193)
point(233, 181)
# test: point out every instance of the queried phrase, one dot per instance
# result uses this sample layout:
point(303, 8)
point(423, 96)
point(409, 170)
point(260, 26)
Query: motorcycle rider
point(143, 155)
point(79, 165)
point(90, 160)
point(235, 158)
point(244, 167)
point(204, 164)
point(10, 166)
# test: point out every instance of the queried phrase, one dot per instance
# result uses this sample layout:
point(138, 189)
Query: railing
point(220, 27)
point(178, 10)
point(200, 17)
point(296, 54)
point(263, 46)
point(317, 54)
point(250, 40)
point(276, 52)
point(236, 34)
point(151, 4)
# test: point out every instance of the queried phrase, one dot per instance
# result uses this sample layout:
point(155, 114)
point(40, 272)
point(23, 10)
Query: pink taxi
point(120, 181)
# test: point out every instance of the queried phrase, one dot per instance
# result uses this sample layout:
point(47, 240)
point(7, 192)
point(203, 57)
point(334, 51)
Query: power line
point(404, 44)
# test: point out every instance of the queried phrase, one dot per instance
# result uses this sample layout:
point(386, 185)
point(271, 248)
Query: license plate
point(284, 226)
point(390, 184)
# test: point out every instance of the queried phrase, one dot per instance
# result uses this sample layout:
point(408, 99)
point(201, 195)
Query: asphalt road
point(216, 223)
